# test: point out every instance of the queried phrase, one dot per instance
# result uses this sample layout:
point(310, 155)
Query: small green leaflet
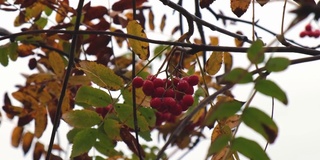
point(277, 64)
point(261, 123)
point(271, 89)
point(82, 118)
point(238, 75)
point(255, 52)
point(89, 96)
point(83, 141)
point(218, 144)
point(249, 148)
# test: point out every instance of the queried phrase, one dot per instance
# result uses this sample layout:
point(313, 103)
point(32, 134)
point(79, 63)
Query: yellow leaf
point(16, 136)
point(57, 64)
point(163, 22)
point(39, 78)
point(61, 14)
point(40, 121)
point(233, 121)
point(38, 151)
point(138, 47)
point(214, 63)
point(101, 75)
point(228, 61)
point(151, 20)
point(238, 42)
point(239, 7)
point(214, 41)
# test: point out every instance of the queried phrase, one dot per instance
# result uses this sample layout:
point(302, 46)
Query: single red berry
point(159, 92)
point(178, 95)
point(166, 116)
point(187, 100)
point(169, 93)
point(151, 77)
point(175, 81)
point(109, 108)
point(167, 83)
point(308, 27)
point(183, 85)
point(156, 103)
point(169, 102)
point(177, 110)
point(137, 82)
point(316, 33)
point(303, 34)
point(172, 118)
point(148, 87)
point(159, 118)
point(190, 90)
point(157, 82)
point(309, 33)
point(184, 107)
point(101, 111)
point(193, 80)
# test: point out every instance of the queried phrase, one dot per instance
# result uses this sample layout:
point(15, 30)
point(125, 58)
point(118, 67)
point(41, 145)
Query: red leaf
point(126, 4)
point(98, 43)
point(93, 12)
point(205, 3)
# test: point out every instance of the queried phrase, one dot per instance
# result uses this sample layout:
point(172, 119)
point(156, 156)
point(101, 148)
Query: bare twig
point(65, 81)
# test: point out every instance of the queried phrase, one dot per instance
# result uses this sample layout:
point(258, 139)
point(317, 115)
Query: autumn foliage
point(176, 88)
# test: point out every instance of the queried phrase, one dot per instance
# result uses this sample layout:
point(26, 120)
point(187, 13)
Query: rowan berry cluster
point(170, 97)
point(308, 31)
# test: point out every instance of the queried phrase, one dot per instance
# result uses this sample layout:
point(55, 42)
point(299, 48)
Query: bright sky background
point(299, 131)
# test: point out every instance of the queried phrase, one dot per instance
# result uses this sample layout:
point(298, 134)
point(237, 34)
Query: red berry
point(193, 80)
point(159, 92)
point(187, 100)
point(137, 82)
point(183, 85)
point(177, 110)
point(175, 81)
point(303, 34)
point(148, 87)
point(178, 95)
point(316, 33)
point(190, 90)
point(156, 103)
point(109, 108)
point(308, 27)
point(169, 102)
point(167, 83)
point(157, 82)
point(309, 33)
point(151, 77)
point(169, 93)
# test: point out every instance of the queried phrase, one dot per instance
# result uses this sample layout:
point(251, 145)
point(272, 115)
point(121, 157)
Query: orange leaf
point(151, 19)
point(175, 29)
point(16, 136)
point(40, 121)
point(38, 150)
point(26, 141)
point(25, 50)
point(163, 22)
point(205, 3)
point(239, 7)
point(214, 63)
point(228, 61)
point(125, 4)
point(214, 41)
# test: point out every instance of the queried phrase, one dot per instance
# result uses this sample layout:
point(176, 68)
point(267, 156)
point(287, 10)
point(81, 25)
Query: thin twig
point(65, 81)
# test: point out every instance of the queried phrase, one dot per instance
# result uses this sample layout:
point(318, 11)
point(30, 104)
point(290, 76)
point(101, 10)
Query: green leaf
point(238, 75)
point(261, 123)
point(139, 47)
point(4, 60)
point(101, 75)
point(271, 89)
point(125, 113)
point(72, 133)
point(89, 96)
point(149, 115)
point(12, 51)
point(112, 128)
point(218, 144)
point(41, 22)
point(146, 135)
point(255, 52)
point(159, 49)
point(277, 64)
point(83, 141)
point(224, 110)
point(249, 148)
point(82, 118)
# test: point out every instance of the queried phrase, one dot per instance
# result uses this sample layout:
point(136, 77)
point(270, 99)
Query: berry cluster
point(103, 111)
point(170, 97)
point(310, 32)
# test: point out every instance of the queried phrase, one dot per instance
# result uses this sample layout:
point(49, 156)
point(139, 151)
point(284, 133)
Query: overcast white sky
point(299, 131)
